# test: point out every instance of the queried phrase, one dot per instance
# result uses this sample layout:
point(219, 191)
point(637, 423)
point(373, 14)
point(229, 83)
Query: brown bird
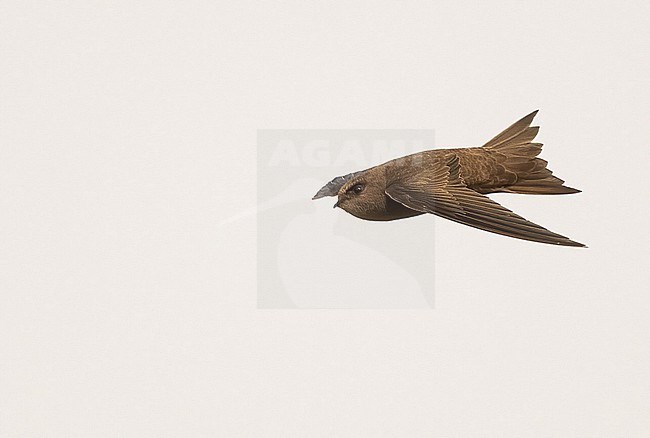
point(452, 183)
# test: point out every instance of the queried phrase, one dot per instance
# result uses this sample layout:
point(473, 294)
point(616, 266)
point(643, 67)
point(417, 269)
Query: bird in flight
point(452, 183)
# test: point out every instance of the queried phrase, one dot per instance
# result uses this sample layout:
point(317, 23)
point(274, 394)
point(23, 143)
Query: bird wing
point(332, 188)
point(442, 192)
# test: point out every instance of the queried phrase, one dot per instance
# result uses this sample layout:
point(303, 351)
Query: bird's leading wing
point(332, 188)
point(443, 193)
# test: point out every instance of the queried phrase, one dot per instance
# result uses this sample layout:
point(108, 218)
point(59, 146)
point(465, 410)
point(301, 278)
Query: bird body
point(452, 183)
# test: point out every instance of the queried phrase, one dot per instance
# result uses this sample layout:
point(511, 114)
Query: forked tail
point(517, 153)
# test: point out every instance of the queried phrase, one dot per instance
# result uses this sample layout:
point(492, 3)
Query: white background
point(127, 138)
point(313, 257)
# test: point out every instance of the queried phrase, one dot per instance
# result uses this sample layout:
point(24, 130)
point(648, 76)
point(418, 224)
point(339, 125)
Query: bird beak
point(336, 205)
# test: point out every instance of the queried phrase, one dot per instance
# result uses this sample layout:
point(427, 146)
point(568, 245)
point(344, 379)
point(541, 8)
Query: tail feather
point(518, 155)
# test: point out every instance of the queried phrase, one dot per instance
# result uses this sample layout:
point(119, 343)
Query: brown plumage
point(451, 183)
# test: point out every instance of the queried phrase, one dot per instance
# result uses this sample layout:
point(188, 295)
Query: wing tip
point(569, 242)
point(332, 188)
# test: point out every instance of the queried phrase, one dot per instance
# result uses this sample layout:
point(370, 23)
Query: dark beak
point(336, 205)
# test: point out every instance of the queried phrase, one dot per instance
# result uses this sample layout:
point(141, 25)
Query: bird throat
point(391, 210)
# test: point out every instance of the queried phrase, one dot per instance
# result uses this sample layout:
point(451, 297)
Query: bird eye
point(357, 188)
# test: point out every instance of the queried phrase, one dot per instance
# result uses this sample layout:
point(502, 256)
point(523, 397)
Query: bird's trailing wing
point(443, 193)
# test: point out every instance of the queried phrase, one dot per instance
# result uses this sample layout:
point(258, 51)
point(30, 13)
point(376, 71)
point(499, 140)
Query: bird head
point(361, 198)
